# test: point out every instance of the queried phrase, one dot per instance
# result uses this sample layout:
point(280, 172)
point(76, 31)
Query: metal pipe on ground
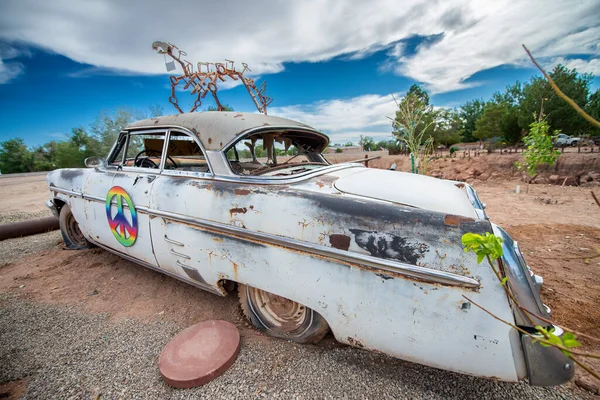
point(29, 227)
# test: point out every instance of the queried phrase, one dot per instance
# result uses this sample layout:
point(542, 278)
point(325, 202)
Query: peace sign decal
point(124, 229)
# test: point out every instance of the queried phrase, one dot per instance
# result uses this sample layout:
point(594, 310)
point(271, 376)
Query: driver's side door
point(118, 195)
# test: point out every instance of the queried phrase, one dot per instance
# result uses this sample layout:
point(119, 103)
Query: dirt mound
point(570, 169)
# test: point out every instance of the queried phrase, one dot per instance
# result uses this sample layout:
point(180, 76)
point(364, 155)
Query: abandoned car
point(223, 200)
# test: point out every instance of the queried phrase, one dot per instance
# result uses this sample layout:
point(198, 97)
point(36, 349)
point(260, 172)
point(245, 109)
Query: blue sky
point(61, 63)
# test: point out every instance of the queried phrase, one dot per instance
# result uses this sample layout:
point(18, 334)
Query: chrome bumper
point(50, 204)
point(546, 366)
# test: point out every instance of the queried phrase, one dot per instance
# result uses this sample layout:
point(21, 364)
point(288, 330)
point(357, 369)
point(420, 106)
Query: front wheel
point(69, 228)
point(280, 317)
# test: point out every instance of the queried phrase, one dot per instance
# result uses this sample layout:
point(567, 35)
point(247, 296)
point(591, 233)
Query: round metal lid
point(199, 354)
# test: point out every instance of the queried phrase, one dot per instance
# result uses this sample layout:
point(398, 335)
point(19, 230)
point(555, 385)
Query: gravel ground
point(65, 353)
point(10, 249)
point(22, 216)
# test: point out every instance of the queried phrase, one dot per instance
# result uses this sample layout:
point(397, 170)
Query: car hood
point(408, 189)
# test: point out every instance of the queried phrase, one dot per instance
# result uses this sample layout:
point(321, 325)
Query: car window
point(276, 154)
point(184, 154)
point(141, 150)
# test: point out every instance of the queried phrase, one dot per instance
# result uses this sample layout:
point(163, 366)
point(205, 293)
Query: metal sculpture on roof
point(205, 77)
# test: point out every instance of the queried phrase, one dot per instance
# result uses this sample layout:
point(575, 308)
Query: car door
point(179, 248)
point(119, 195)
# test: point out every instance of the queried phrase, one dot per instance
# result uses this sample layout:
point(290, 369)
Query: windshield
point(277, 153)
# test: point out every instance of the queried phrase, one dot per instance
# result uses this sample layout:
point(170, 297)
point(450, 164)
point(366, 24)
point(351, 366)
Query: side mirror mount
point(95, 162)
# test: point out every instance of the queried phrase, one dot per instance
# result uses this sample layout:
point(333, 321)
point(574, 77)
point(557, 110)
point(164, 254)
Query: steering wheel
point(147, 162)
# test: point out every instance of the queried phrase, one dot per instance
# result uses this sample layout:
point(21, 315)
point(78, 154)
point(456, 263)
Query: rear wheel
point(69, 228)
point(280, 317)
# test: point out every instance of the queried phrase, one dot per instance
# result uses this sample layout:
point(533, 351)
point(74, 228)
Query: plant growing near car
point(489, 246)
point(411, 122)
point(539, 149)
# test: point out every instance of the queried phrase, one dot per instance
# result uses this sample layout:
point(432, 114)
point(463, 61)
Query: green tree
point(470, 112)
point(593, 108)
point(448, 127)
point(488, 125)
point(416, 90)
point(44, 156)
point(509, 126)
point(539, 98)
point(15, 157)
point(367, 143)
point(539, 149)
point(73, 152)
point(108, 125)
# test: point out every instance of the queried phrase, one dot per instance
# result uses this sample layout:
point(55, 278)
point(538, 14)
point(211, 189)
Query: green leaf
point(570, 340)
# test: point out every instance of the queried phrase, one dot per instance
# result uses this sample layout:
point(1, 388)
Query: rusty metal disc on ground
point(199, 354)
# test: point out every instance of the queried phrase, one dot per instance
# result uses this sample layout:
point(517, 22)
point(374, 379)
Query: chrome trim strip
point(175, 242)
point(65, 191)
point(413, 271)
point(94, 198)
point(206, 286)
point(184, 256)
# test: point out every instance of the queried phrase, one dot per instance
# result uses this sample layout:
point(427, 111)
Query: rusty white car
point(226, 200)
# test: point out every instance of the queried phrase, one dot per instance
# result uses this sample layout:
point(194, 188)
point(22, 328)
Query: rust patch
point(235, 270)
point(355, 342)
point(242, 192)
point(209, 140)
point(238, 210)
point(338, 241)
point(456, 220)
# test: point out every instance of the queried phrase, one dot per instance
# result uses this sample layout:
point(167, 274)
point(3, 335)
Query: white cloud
point(9, 71)
point(345, 119)
point(583, 66)
point(477, 35)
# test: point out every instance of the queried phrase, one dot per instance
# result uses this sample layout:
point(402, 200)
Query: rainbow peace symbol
point(125, 231)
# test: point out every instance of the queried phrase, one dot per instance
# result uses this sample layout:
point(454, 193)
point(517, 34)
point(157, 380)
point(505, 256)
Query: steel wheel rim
point(73, 231)
point(277, 311)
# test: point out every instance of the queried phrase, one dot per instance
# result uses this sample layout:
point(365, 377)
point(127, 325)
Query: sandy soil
point(24, 193)
point(558, 229)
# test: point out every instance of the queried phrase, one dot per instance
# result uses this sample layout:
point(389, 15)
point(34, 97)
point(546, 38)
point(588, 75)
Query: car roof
point(216, 129)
